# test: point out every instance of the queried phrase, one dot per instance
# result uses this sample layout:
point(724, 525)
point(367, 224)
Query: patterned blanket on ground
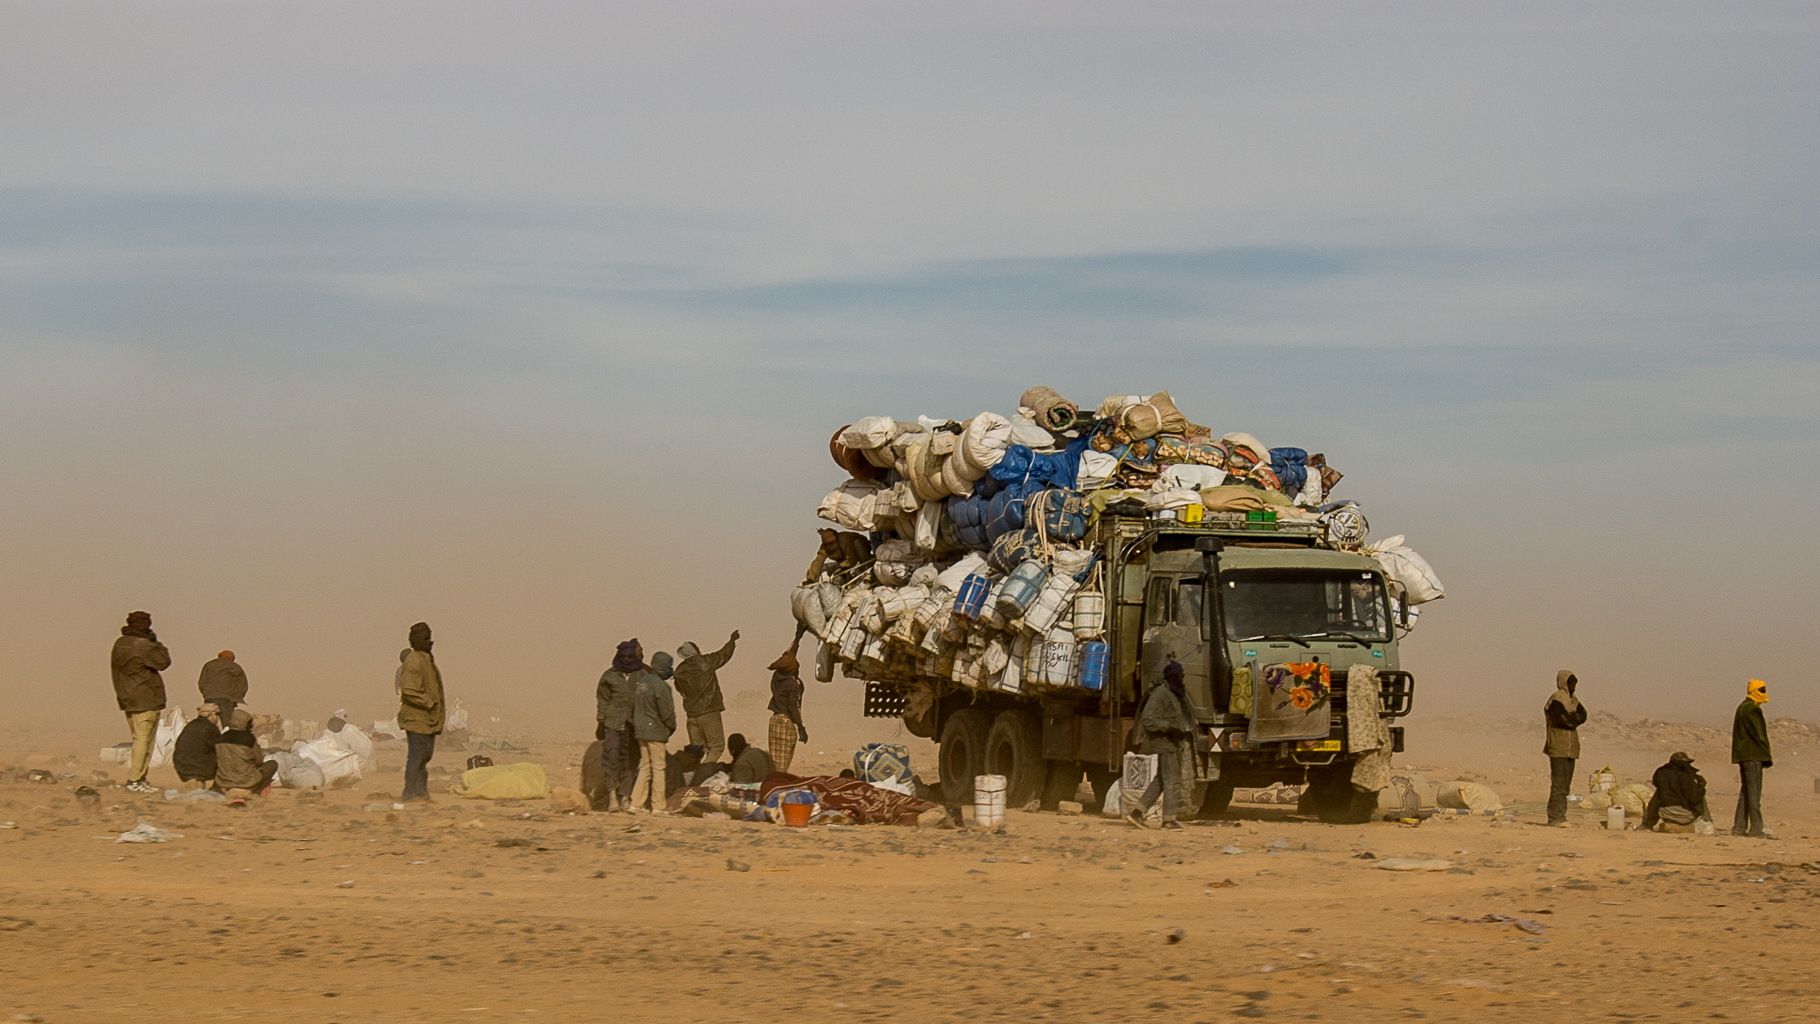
point(864, 803)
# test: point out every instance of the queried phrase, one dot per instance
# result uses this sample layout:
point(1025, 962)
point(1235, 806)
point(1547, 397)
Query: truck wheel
point(1062, 783)
point(1350, 807)
point(1014, 749)
point(1217, 798)
point(963, 753)
point(1335, 801)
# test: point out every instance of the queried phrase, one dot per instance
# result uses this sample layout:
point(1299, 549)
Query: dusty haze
point(315, 322)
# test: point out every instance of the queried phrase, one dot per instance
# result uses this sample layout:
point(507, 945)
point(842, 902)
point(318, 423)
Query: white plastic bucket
point(1089, 615)
point(989, 800)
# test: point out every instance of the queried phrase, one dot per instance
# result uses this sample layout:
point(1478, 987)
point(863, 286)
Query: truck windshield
point(1304, 603)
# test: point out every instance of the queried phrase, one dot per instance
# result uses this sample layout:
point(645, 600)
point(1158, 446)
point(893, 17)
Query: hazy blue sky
point(532, 319)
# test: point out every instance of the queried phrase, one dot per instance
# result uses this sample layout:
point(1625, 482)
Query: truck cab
point(1232, 600)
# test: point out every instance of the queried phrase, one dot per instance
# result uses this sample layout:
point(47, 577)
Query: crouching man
point(239, 763)
point(1680, 798)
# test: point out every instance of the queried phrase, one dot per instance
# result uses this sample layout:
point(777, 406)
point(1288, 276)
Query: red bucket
point(797, 815)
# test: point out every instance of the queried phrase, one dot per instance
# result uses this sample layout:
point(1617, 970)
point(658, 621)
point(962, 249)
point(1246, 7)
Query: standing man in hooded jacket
point(613, 726)
point(137, 659)
point(1563, 715)
point(223, 684)
point(1750, 752)
point(1165, 727)
point(699, 686)
point(653, 723)
point(420, 713)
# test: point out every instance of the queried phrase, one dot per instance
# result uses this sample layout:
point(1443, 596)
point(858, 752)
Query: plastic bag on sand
point(1633, 797)
point(164, 741)
point(297, 772)
point(1470, 796)
point(522, 781)
point(1406, 864)
point(337, 764)
point(146, 832)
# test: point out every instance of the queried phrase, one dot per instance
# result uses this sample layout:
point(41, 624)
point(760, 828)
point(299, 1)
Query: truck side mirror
point(1403, 611)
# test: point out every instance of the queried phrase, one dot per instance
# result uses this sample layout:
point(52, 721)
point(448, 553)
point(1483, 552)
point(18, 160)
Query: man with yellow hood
point(1563, 714)
point(1750, 752)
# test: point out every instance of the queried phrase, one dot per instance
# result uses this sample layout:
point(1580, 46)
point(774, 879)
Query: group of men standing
point(635, 716)
point(218, 748)
point(1680, 797)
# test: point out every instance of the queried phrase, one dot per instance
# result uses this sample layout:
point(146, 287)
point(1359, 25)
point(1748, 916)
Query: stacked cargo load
point(976, 563)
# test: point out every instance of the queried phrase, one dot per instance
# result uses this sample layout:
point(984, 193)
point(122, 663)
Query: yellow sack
point(1241, 691)
point(523, 781)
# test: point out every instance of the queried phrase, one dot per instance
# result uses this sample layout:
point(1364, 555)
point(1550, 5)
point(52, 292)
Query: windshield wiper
point(1354, 637)
point(1276, 636)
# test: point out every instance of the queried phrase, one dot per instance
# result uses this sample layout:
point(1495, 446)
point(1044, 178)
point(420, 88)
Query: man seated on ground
point(239, 763)
point(1680, 798)
point(750, 764)
point(194, 754)
point(680, 767)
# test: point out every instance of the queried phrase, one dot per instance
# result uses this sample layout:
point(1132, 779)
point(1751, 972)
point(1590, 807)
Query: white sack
point(1408, 569)
point(871, 432)
point(1190, 477)
point(951, 577)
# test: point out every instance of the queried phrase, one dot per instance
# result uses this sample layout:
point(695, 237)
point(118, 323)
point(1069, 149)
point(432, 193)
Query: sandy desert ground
point(341, 909)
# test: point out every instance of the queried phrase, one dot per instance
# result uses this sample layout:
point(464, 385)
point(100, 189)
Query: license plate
point(1321, 746)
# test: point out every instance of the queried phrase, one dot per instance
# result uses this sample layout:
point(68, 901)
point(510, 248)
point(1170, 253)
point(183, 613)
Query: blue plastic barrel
point(1096, 656)
point(972, 596)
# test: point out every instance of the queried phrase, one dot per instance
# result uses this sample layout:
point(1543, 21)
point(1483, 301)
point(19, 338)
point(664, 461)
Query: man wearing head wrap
point(750, 764)
point(699, 685)
point(223, 684)
point(786, 707)
point(1564, 715)
point(613, 727)
point(420, 713)
point(1750, 752)
point(653, 723)
point(136, 660)
point(194, 754)
point(1165, 727)
point(239, 763)
point(1680, 798)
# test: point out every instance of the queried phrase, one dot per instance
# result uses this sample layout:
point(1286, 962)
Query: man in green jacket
point(1563, 715)
point(136, 660)
point(613, 727)
point(420, 713)
point(1750, 752)
point(699, 686)
point(1166, 728)
point(653, 723)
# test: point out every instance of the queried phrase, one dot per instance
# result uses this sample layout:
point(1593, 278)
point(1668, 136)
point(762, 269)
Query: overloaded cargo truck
point(1013, 587)
point(1228, 592)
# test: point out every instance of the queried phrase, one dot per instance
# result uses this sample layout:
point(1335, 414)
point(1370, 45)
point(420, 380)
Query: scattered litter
point(1522, 924)
point(1231, 851)
point(1406, 864)
point(1174, 936)
point(349, 884)
point(195, 796)
point(1225, 884)
point(737, 865)
point(146, 832)
point(1367, 855)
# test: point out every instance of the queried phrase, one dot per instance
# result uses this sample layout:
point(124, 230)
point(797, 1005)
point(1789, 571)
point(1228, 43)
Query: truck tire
point(1333, 799)
point(1217, 798)
point(963, 753)
point(1347, 806)
point(1014, 749)
point(1062, 783)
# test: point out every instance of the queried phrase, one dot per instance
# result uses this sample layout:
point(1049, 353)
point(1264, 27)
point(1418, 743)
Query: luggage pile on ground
point(980, 569)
